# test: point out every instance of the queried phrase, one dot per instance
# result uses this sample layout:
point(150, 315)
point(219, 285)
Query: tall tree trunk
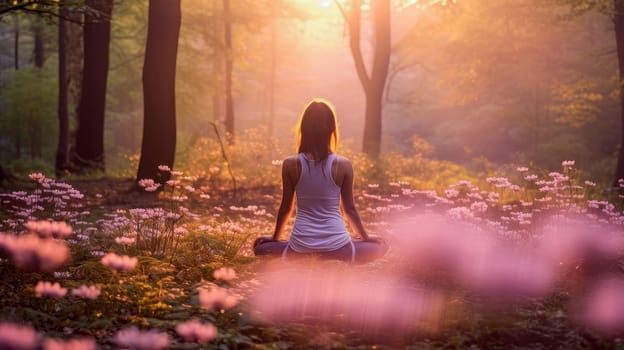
point(374, 83)
point(63, 114)
point(618, 20)
point(217, 64)
point(159, 71)
point(272, 73)
point(89, 150)
point(229, 102)
point(16, 33)
point(38, 47)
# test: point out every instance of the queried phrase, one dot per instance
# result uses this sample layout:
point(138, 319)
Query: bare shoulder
point(344, 162)
point(290, 163)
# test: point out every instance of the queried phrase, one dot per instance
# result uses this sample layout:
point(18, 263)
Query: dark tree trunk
point(16, 41)
point(38, 49)
point(229, 102)
point(63, 114)
point(618, 20)
point(159, 71)
point(89, 149)
point(375, 83)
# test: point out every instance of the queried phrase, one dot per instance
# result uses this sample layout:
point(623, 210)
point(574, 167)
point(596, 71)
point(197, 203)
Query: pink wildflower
point(195, 331)
point(48, 289)
point(217, 298)
point(124, 240)
point(225, 274)
point(33, 253)
point(133, 338)
point(152, 188)
point(73, 344)
point(567, 163)
point(84, 292)
point(38, 177)
point(590, 183)
point(146, 182)
point(13, 336)
point(164, 168)
point(56, 229)
point(604, 308)
point(522, 169)
point(176, 173)
point(119, 262)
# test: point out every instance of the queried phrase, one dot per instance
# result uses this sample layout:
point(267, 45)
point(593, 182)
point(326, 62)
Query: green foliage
point(28, 123)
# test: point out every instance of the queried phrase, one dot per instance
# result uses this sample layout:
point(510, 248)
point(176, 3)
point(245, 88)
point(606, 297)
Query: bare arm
point(348, 205)
point(288, 191)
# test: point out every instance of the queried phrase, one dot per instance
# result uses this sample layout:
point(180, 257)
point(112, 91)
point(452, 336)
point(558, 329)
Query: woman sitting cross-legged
point(320, 179)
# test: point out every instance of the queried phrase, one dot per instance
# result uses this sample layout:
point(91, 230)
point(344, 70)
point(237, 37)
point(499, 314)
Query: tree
point(38, 47)
point(159, 71)
point(62, 158)
point(618, 21)
point(89, 148)
point(374, 83)
point(229, 102)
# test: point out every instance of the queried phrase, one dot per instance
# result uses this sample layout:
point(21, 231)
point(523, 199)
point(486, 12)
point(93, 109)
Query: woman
point(321, 180)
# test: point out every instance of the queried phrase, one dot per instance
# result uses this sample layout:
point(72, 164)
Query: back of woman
point(318, 225)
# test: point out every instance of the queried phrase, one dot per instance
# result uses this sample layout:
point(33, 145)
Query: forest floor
point(216, 229)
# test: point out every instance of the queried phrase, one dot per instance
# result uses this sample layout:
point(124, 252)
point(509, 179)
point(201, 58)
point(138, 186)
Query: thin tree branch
point(224, 154)
point(354, 19)
point(16, 7)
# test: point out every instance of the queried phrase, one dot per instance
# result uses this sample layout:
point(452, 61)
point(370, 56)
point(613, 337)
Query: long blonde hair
point(317, 129)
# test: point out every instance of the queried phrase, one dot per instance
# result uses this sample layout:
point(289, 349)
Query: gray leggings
point(358, 252)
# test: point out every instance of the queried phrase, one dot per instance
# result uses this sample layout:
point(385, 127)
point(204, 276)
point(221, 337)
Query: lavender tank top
point(319, 226)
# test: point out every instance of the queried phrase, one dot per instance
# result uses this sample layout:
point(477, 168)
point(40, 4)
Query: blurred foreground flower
point(56, 229)
point(73, 344)
point(119, 262)
point(217, 298)
point(18, 337)
point(33, 253)
point(225, 274)
point(195, 331)
point(84, 292)
point(603, 308)
point(377, 305)
point(135, 339)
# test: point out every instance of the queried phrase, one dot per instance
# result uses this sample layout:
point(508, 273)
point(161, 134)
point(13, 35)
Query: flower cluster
point(134, 338)
point(225, 274)
point(33, 253)
point(119, 262)
point(217, 298)
point(48, 289)
point(56, 229)
point(86, 292)
point(195, 331)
